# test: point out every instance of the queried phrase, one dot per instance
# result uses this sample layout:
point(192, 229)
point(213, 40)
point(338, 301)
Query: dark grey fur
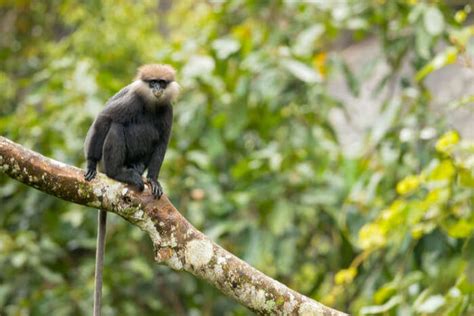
point(130, 135)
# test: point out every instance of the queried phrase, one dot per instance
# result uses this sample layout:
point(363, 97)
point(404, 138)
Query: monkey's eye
point(160, 82)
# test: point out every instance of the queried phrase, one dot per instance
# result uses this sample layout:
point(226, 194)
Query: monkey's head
point(157, 82)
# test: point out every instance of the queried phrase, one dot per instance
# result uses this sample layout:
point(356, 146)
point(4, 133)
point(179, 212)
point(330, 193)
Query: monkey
point(131, 135)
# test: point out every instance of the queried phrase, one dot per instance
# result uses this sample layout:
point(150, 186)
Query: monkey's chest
point(141, 140)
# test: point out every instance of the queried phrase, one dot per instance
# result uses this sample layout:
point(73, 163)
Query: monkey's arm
point(155, 166)
point(156, 160)
point(94, 143)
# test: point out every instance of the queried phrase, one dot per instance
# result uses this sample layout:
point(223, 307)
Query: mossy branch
point(176, 242)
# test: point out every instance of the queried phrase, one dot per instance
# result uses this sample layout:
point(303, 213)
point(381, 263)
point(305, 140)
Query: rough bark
point(176, 242)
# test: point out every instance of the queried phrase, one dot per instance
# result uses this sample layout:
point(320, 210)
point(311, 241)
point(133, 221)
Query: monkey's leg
point(114, 154)
point(99, 260)
point(139, 167)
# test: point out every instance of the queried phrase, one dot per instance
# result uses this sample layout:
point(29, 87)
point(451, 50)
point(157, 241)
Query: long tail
point(99, 260)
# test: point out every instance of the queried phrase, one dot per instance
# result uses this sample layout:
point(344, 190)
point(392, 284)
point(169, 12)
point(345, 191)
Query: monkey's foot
point(139, 184)
point(156, 188)
point(90, 174)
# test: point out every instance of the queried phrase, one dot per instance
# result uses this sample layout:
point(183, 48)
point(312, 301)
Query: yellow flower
point(319, 63)
point(445, 171)
point(446, 141)
point(371, 236)
point(408, 185)
point(345, 276)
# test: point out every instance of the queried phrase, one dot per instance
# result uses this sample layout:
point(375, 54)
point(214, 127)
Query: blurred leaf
point(445, 58)
point(433, 21)
point(74, 217)
point(201, 159)
point(423, 43)
point(377, 309)
point(306, 40)
point(281, 219)
point(301, 71)
point(468, 255)
point(142, 267)
point(198, 66)
point(461, 229)
point(383, 124)
point(466, 178)
point(351, 79)
point(431, 304)
point(224, 47)
point(384, 293)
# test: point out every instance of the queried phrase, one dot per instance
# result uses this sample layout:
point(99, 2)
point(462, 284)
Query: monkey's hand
point(91, 170)
point(156, 188)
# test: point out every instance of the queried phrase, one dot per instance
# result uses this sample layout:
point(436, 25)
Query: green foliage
point(254, 161)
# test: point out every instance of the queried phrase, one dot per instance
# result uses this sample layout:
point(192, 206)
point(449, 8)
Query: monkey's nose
point(158, 92)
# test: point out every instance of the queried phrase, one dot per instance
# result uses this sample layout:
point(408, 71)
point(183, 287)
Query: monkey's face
point(156, 92)
point(160, 90)
point(158, 87)
point(156, 83)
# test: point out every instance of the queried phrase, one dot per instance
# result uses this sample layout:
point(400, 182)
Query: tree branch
point(176, 242)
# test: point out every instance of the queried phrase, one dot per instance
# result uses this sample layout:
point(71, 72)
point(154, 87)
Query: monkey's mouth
point(158, 93)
